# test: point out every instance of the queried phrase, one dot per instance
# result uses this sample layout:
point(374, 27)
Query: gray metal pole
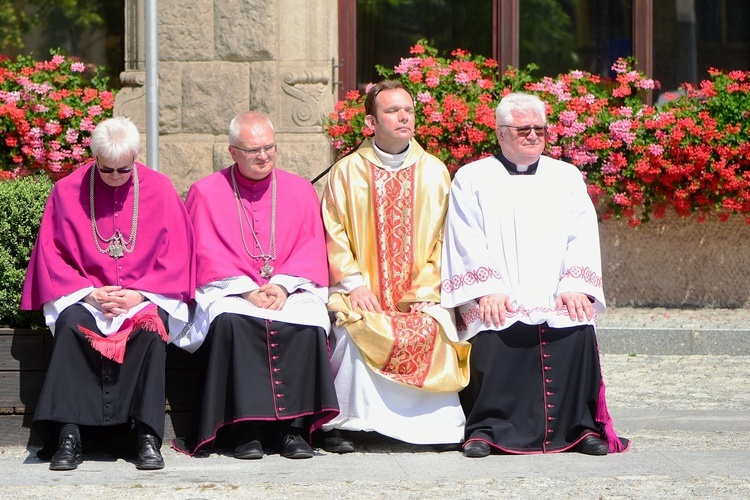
point(152, 86)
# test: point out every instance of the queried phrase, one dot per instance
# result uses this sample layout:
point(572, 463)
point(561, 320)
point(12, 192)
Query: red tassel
point(113, 347)
point(148, 319)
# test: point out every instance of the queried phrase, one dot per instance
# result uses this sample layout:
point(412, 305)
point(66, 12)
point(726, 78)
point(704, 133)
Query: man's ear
point(370, 121)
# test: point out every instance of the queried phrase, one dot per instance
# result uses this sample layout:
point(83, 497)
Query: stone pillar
point(219, 58)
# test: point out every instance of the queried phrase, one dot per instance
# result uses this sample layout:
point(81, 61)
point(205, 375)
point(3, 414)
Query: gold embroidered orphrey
point(117, 245)
point(266, 271)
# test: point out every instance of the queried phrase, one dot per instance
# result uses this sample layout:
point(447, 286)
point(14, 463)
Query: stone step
point(664, 331)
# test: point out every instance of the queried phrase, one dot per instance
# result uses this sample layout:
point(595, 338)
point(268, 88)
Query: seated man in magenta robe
point(113, 270)
point(261, 324)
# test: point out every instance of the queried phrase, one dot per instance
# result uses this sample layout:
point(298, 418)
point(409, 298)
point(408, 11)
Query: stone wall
point(675, 262)
point(220, 58)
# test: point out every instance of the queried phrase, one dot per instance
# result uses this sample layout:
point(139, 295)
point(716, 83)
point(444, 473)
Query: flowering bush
point(705, 165)
point(455, 104)
point(48, 110)
point(690, 154)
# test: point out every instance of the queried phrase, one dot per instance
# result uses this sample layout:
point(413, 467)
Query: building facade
point(220, 58)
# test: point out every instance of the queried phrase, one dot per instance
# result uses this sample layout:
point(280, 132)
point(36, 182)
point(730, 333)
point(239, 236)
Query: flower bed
point(691, 154)
point(48, 110)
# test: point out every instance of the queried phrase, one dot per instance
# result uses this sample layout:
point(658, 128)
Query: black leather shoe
point(593, 445)
point(476, 449)
point(334, 442)
point(69, 454)
point(149, 457)
point(444, 447)
point(293, 446)
point(249, 450)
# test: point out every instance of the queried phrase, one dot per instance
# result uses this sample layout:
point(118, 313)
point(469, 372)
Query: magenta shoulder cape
point(300, 241)
point(65, 258)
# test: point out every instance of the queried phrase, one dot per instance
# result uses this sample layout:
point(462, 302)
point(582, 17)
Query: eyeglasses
point(526, 130)
point(270, 150)
point(121, 170)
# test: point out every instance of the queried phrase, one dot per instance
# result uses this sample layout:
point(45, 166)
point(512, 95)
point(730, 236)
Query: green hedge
point(21, 207)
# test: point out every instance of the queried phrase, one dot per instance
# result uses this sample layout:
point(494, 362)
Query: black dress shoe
point(149, 457)
point(294, 446)
point(444, 447)
point(593, 445)
point(249, 450)
point(69, 454)
point(476, 449)
point(334, 442)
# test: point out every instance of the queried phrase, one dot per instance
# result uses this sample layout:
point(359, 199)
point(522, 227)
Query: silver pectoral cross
point(115, 249)
point(266, 270)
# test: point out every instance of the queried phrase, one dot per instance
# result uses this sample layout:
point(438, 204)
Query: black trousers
point(533, 389)
point(263, 372)
point(83, 387)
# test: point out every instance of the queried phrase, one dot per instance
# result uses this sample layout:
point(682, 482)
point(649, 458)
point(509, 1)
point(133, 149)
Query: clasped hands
point(361, 298)
point(269, 296)
point(493, 307)
point(114, 300)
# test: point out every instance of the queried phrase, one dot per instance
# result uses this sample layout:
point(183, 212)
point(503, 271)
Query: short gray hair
point(518, 102)
point(115, 138)
point(248, 119)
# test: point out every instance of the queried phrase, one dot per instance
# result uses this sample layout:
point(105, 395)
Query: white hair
point(115, 138)
point(518, 102)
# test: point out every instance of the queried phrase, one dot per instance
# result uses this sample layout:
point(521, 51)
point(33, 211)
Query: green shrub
point(21, 207)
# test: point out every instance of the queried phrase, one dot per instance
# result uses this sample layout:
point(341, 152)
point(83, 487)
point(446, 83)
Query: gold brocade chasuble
point(388, 226)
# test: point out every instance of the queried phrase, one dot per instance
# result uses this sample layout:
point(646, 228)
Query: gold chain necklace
point(117, 245)
point(266, 271)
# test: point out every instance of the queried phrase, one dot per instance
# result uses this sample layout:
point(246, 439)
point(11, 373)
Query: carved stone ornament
point(309, 88)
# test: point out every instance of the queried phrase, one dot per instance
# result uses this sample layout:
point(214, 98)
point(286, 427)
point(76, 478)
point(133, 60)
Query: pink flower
point(71, 136)
point(435, 117)
point(655, 149)
point(432, 81)
point(463, 78)
point(568, 117)
point(621, 131)
point(52, 128)
point(95, 110)
point(10, 97)
point(87, 124)
point(65, 111)
point(485, 84)
point(424, 97)
point(648, 84)
point(620, 66)
point(78, 67)
point(622, 199)
point(407, 64)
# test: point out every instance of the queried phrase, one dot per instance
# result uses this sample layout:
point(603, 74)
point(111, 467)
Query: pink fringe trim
point(113, 347)
point(605, 420)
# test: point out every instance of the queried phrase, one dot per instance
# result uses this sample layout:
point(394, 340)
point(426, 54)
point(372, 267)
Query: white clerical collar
point(392, 162)
point(521, 168)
